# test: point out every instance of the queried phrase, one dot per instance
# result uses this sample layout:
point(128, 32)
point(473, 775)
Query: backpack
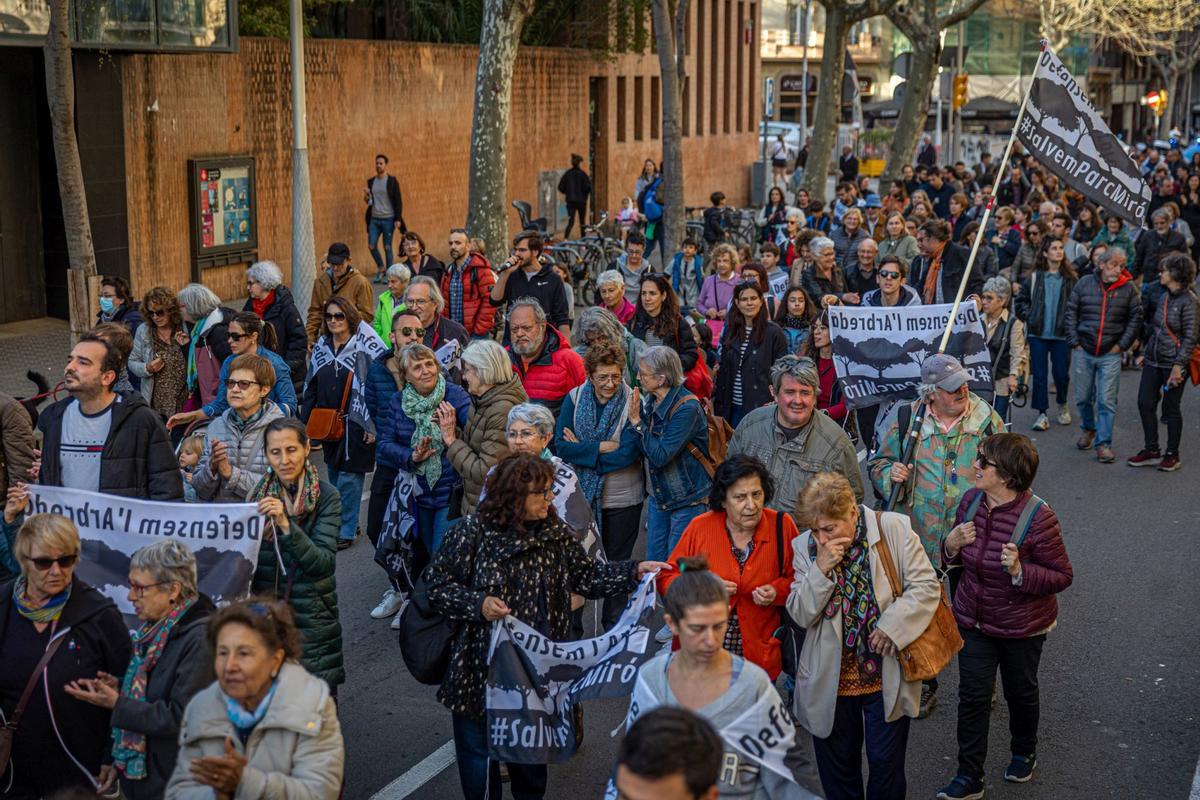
point(719, 434)
point(649, 203)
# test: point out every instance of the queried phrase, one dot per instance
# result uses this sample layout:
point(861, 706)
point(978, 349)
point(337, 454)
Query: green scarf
point(420, 410)
point(45, 613)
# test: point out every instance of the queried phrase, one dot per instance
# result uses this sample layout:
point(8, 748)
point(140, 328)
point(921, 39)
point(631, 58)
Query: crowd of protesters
point(697, 401)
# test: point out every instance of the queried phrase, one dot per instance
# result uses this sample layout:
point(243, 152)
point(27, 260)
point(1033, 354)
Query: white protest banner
point(533, 682)
point(878, 351)
point(224, 537)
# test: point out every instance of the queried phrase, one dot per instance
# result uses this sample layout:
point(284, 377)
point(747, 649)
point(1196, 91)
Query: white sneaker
point(1042, 424)
point(396, 619)
point(389, 605)
point(1064, 416)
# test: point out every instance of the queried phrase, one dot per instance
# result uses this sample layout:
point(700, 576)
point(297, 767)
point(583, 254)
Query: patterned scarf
point(47, 612)
point(420, 410)
point(240, 425)
point(302, 503)
point(929, 290)
point(593, 424)
point(129, 747)
point(854, 596)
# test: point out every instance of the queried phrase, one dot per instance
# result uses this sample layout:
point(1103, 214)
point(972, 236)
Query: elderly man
point(1103, 318)
point(793, 438)
point(542, 356)
point(943, 463)
point(339, 278)
point(861, 274)
point(425, 299)
point(1152, 245)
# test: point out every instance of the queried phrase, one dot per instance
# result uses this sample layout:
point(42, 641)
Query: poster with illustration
point(223, 204)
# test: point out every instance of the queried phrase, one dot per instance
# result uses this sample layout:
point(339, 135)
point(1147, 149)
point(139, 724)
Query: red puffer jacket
point(555, 371)
point(986, 598)
point(479, 315)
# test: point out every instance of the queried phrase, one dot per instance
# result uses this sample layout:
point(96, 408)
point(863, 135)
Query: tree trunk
point(1171, 85)
point(914, 108)
point(668, 20)
point(827, 111)
point(487, 194)
point(60, 94)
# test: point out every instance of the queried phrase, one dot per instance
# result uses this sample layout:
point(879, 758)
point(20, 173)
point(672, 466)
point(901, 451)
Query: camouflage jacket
point(945, 469)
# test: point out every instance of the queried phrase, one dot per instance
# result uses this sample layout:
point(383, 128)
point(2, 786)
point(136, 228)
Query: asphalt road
point(1119, 676)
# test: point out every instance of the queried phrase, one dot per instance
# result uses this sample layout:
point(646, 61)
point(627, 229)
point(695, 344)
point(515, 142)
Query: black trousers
point(1150, 390)
point(1018, 661)
point(619, 533)
point(575, 210)
point(858, 721)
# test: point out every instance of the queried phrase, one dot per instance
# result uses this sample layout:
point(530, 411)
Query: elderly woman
point(266, 728)
point(298, 556)
point(1005, 335)
point(717, 292)
point(208, 342)
point(514, 556)
point(673, 431)
point(611, 287)
point(170, 664)
point(234, 458)
point(329, 386)
point(47, 599)
point(392, 300)
point(413, 439)
point(272, 302)
point(593, 435)
point(159, 355)
point(749, 547)
point(856, 627)
point(418, 260)
point(823, 279)
point(597, 325)
point(846, 238)
point(1009, 546)
point(750, 345)
point(495, 389)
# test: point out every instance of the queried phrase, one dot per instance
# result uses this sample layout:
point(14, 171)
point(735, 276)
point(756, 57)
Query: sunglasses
point(157, 312)
point(43, 563)
point(237, 337)
point(407, 331)
point(336, 316)
point(888, 274)
point(241, 385)
point(984, 463)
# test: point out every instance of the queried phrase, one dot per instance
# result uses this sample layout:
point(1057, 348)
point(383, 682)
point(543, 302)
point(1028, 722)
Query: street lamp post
point(303, 255)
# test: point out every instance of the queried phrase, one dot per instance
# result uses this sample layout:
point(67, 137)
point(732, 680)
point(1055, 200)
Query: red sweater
point(828, 374)
point(706, 534)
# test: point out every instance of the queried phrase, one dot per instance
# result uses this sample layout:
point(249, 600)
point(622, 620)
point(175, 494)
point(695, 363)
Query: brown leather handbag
point(329, 424)
point(931, 652)
point(8, 730)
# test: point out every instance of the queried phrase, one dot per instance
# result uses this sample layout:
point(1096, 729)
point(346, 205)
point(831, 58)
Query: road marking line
point(428, 769)
point(1195, 795)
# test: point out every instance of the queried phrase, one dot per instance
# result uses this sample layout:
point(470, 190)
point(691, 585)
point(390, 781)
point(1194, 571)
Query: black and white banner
point(533, 682)
point(224, 537)
point(393, 549)
point(1065, 133)
point(878, 351)
point(364, 347)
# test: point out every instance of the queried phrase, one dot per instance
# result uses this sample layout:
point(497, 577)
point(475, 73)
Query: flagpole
point(914, 428)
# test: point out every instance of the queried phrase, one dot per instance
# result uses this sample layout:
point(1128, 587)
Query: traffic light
point(958, 98)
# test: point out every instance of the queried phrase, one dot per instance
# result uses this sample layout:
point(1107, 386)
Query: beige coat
point(296, 752)
point(483, 442)
point(903, 620)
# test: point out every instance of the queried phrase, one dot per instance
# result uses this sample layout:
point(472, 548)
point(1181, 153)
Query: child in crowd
point(817, 219)
point(190, 450)
point(704, 339)
point(777, 277)
point(714, 219)
point(687, 275)
point(795, 316)
point(627, 217)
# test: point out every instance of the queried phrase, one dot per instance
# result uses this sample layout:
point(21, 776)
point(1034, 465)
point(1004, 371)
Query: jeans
point(839, 755)
point(1018, 662)
point(1154, 380)
point(1000, 406)
point(432, 524)
point(384, 226)
point(575, 210)
point(350, 487)
point(1096, 380)
point(618, 532)
point(1060, 363)
point(480, 775)
point(665, 528)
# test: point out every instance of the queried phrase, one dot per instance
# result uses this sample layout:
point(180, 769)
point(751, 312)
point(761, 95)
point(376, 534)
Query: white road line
point(418, 776)
point(1195, 795)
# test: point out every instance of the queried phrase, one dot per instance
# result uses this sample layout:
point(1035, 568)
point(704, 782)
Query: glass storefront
point(126, 24)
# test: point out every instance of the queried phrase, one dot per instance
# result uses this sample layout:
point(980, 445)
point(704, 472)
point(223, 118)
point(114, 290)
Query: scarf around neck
point(198, 330)
point(47, 612)
point(298, 505)
point(129, 747)
point(420, 410)
point(245, 720)
point(594, 424)
point(854, 596)
point(259, 307)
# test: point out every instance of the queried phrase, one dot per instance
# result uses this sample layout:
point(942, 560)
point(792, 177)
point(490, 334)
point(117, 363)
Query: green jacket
point(385, 309)
point(309, 554)
point(945, 469)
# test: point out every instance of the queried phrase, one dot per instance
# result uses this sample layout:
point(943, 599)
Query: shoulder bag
point(1194, 359)
point(929, 654)
point(426, 635)
point(719, 434)
point(329, 424)
point(790, 634)
point(8, 730)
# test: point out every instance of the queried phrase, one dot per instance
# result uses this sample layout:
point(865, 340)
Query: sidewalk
point(40, 345)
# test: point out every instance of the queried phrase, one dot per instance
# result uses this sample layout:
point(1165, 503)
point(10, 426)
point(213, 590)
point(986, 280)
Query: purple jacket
point(986, 598)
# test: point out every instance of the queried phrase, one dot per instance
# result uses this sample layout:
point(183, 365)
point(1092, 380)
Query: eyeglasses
point(404, 330)
point(546, 493)
point(606, 380)
point(984, 463)
point(241, 385)
point(43, 563)
point(418, 301)
point(237, 337)
point(525, 435)
point(888, 274)
point(336, 316)
point(139, 589)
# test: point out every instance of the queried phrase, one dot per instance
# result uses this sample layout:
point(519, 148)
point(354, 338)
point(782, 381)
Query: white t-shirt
point(83, 438)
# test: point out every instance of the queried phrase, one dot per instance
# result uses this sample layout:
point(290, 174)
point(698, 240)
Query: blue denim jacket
point(676, 478)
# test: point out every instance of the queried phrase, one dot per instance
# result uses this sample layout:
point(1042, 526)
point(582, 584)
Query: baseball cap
point(873, 201)
point(945, 372)
point(338, 253)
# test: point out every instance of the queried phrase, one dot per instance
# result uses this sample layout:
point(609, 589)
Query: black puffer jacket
point(184, 668)
point(755, 368)
point(683, 342)
point(291, 340)
point(137, 460)
point(1150, 249)
point(533, 572)
point(1170, 332)
point(1099, 315)
point(1031, 303)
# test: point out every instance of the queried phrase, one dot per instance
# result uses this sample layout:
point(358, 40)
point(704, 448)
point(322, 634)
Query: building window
point(687, 107)
point(621, 109)
point(655, 107)
point(639, 109)
point(129, 24)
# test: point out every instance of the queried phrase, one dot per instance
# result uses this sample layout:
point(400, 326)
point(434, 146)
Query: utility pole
point(303, 250)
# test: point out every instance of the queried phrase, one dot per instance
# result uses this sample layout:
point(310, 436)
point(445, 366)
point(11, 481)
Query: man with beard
point(542, 356)
point(793, 438)
point(524, 275)
point(467, 286)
